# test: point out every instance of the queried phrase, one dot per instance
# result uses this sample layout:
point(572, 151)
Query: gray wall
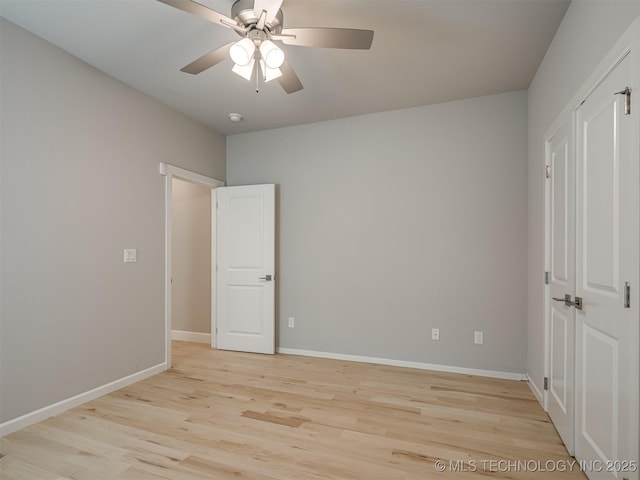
point(191, 257)
point(79, 183)
point(394, 223)
point(588, 31)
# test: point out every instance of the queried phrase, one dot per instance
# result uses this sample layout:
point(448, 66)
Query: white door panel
point(600, 198)
point(606, 252)
point(560, 157)
point(561, 162)
point(246, 267)
point(599, 393)
point(560, 388)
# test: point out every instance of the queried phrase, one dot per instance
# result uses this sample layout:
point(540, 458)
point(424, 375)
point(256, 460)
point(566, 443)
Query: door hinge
point(627, 100)
point(547, 171)
point(546, 383)
point(627, 295)
point(546, 278)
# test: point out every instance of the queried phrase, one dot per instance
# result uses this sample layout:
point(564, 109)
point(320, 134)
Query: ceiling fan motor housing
point(242, 12)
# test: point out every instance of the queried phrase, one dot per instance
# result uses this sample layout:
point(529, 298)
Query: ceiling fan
point(260, 23)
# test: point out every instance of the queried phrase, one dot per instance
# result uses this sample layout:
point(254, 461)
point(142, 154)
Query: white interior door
point(607, 259)
point(561, 317)
point(245, 297)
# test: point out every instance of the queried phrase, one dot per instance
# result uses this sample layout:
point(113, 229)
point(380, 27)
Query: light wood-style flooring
point(228, 415)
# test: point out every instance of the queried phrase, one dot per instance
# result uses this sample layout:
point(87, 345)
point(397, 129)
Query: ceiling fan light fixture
point(272, 55)
point(242, 52)
point(259, 22)
point(245, 71)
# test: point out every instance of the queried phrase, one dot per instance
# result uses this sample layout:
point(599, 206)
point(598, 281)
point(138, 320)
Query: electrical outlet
point(292, 322)
point(478, 338)
point(435, 334)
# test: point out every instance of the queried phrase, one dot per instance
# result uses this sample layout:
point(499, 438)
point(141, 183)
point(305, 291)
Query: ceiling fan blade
point(201, 11)
point(270, 6)
point(328, 37)
point(289, 81)
point(208, 60)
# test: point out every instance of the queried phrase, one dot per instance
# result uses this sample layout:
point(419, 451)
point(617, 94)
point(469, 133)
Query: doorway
point(171, 173)
point(191, 262)
point(243, 226)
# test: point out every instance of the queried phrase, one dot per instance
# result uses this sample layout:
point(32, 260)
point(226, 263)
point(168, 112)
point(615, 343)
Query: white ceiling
point(424, 52)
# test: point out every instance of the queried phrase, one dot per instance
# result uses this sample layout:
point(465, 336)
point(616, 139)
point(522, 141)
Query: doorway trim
point(170, 172)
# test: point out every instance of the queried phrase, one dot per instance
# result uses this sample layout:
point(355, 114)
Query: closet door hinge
point(627, 100)
point(627, 295)
point(546, 383)
point(546, 278)
point(547, 171)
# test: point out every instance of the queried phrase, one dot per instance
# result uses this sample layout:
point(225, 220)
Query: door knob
point(568, 303)
point(266, 277)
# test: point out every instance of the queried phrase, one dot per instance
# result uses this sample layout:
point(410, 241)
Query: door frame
point(627, 45)
point(170, 172)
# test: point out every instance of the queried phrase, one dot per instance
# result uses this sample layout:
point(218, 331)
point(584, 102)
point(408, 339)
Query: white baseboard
point(403, 363)
point(63, 405)
point(195, 337)
point(536, 391)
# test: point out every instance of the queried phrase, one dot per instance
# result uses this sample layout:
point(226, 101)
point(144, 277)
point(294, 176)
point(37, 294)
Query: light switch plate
point(130, 255)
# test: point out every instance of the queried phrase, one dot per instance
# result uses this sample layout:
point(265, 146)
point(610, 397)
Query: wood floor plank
point(230, 415)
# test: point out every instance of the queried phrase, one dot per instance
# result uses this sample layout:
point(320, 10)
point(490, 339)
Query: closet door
point(561, 316)
point(606, 268)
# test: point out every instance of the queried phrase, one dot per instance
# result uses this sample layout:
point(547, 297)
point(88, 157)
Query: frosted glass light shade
point(245, 71)
point(272, 55)
point(242, 52)
point(269, 73)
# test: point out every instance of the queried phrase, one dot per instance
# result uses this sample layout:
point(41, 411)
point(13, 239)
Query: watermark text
point(510, 466)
